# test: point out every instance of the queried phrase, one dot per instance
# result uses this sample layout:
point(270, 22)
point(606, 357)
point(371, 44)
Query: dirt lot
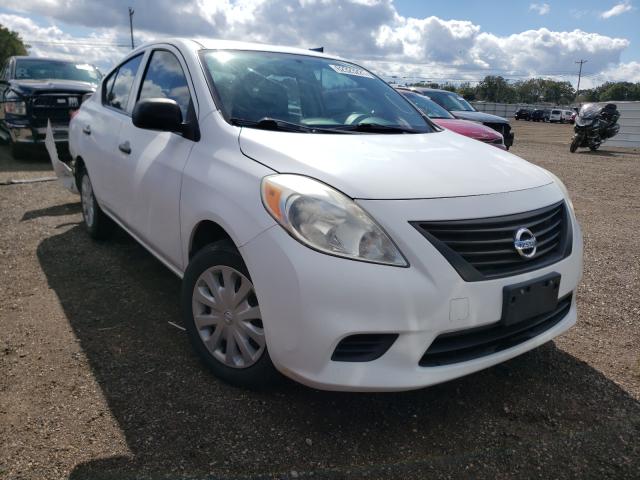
point(96, 384)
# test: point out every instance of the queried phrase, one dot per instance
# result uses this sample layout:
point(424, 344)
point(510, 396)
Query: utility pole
point(579, 76)
point(131, 12)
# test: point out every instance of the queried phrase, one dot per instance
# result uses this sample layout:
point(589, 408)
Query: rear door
point(155, 161)
point(100, 121)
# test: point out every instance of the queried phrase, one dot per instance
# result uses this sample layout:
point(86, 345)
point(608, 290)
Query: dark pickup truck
point(34, 90)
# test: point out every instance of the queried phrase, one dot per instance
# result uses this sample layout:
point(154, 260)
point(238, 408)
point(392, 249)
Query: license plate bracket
point(529, 299)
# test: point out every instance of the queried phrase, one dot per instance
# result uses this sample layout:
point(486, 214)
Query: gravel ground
point(96, 384)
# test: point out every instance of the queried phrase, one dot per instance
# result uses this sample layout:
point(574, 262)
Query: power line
point(75, 44)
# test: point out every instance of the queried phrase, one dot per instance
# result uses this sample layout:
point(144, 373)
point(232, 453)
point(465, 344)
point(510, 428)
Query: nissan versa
point(322, 226)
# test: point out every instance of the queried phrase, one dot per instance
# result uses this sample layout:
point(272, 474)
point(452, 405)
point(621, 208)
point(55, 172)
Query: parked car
point(523, 114)
point(323, 227)
point(556, 116)
point(561, 116)
point(441, 117)
point(572, 118)
point(460, 108)
point(34, 90)
point(539, 115)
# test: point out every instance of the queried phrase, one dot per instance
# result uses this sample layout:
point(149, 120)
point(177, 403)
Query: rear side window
point(118, 85)
point(165, 78)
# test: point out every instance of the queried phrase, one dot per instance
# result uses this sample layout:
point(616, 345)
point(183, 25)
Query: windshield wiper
point(378, 128)
point(268, 123)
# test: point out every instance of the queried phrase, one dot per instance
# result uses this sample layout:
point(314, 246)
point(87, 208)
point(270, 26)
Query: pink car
point(441, 117)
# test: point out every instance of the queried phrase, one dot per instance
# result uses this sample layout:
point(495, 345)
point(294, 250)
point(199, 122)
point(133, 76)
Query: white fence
point(629, 135)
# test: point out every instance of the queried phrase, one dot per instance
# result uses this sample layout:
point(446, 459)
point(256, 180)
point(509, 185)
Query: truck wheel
point(98, 224)
point(223, 320)
point(18, 151)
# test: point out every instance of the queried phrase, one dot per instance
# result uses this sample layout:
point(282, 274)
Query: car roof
point(427, 89)
point(196, 44)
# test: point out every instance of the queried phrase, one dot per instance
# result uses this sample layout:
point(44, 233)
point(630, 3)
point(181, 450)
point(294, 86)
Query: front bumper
point(311, 301)
point(27, 134)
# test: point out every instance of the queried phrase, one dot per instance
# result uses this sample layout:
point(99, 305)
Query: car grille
point(478, 342)
point(53, 106)
point(503, 128)
point(482, 249)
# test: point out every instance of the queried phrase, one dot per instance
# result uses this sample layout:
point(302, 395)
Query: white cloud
point(541, 8)
point(369, 31)
point(616, 10)
point(50, 41)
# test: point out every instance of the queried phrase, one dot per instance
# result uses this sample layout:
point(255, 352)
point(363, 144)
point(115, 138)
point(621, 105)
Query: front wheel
point(574, 144)
point(222, 317)
point(18, 151)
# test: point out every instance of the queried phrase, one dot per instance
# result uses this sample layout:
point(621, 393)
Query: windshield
point(590, 110)
point(309, 91)
point(429, 107)
point(56, 70)
point(451, 101)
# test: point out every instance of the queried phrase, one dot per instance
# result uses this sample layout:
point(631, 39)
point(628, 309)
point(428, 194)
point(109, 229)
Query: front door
point(156, 160)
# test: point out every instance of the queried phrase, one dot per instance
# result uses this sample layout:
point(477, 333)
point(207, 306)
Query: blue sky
point(439, 41)
point(508, 17)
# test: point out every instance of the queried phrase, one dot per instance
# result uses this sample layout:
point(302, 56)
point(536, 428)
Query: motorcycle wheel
point(593, 148)
point(574, 144)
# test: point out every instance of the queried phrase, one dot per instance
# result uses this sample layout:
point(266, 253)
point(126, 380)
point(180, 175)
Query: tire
point(593, 148)
point(97, 223)
point(574, 144)
point(18, 151)
point(228, 315)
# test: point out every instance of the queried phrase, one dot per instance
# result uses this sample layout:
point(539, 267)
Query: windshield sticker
point(351, 71)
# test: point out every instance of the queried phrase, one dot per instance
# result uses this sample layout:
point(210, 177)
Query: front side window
point(118, 88)
point(165, 78)
point(38, 69)
point(307, 91)
point(451, 101)
point(430, 108)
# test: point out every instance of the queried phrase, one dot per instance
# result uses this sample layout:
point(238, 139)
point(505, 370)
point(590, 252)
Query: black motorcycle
point(594, 124)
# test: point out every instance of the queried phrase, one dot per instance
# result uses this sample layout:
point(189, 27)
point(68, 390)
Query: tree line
point(495, 88)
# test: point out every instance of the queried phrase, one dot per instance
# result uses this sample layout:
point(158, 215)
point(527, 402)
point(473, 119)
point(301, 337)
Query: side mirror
point(161, 114)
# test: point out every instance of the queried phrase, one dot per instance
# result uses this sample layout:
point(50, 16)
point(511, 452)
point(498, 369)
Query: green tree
point(620, 91)
point(10, 44)
point(557, 92)
point(495, 89)
point(467, 91)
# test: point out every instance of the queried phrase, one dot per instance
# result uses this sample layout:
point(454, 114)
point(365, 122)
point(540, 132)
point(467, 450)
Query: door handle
point(125, 147)
point(87, 130)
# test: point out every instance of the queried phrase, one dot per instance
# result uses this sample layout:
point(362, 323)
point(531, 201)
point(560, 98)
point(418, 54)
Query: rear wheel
point(98, 224)
point(595, 147)
point(223, 319)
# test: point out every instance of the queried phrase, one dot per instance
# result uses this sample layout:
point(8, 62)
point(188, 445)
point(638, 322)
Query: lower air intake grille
point(363, 347)
point(483, 248)
point(478, 342)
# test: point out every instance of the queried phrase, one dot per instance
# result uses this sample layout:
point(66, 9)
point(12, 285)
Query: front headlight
point(13, 107)
point(326, 220)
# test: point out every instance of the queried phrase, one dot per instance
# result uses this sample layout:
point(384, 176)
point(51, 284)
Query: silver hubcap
point(227, 317)
point(87, 200)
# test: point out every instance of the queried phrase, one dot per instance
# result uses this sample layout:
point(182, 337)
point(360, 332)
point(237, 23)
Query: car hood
point(474, 130)
point(29, 87)
point(394, 166)
point(478, 116)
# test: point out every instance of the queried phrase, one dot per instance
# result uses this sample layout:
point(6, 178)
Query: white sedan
point(322, 226)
